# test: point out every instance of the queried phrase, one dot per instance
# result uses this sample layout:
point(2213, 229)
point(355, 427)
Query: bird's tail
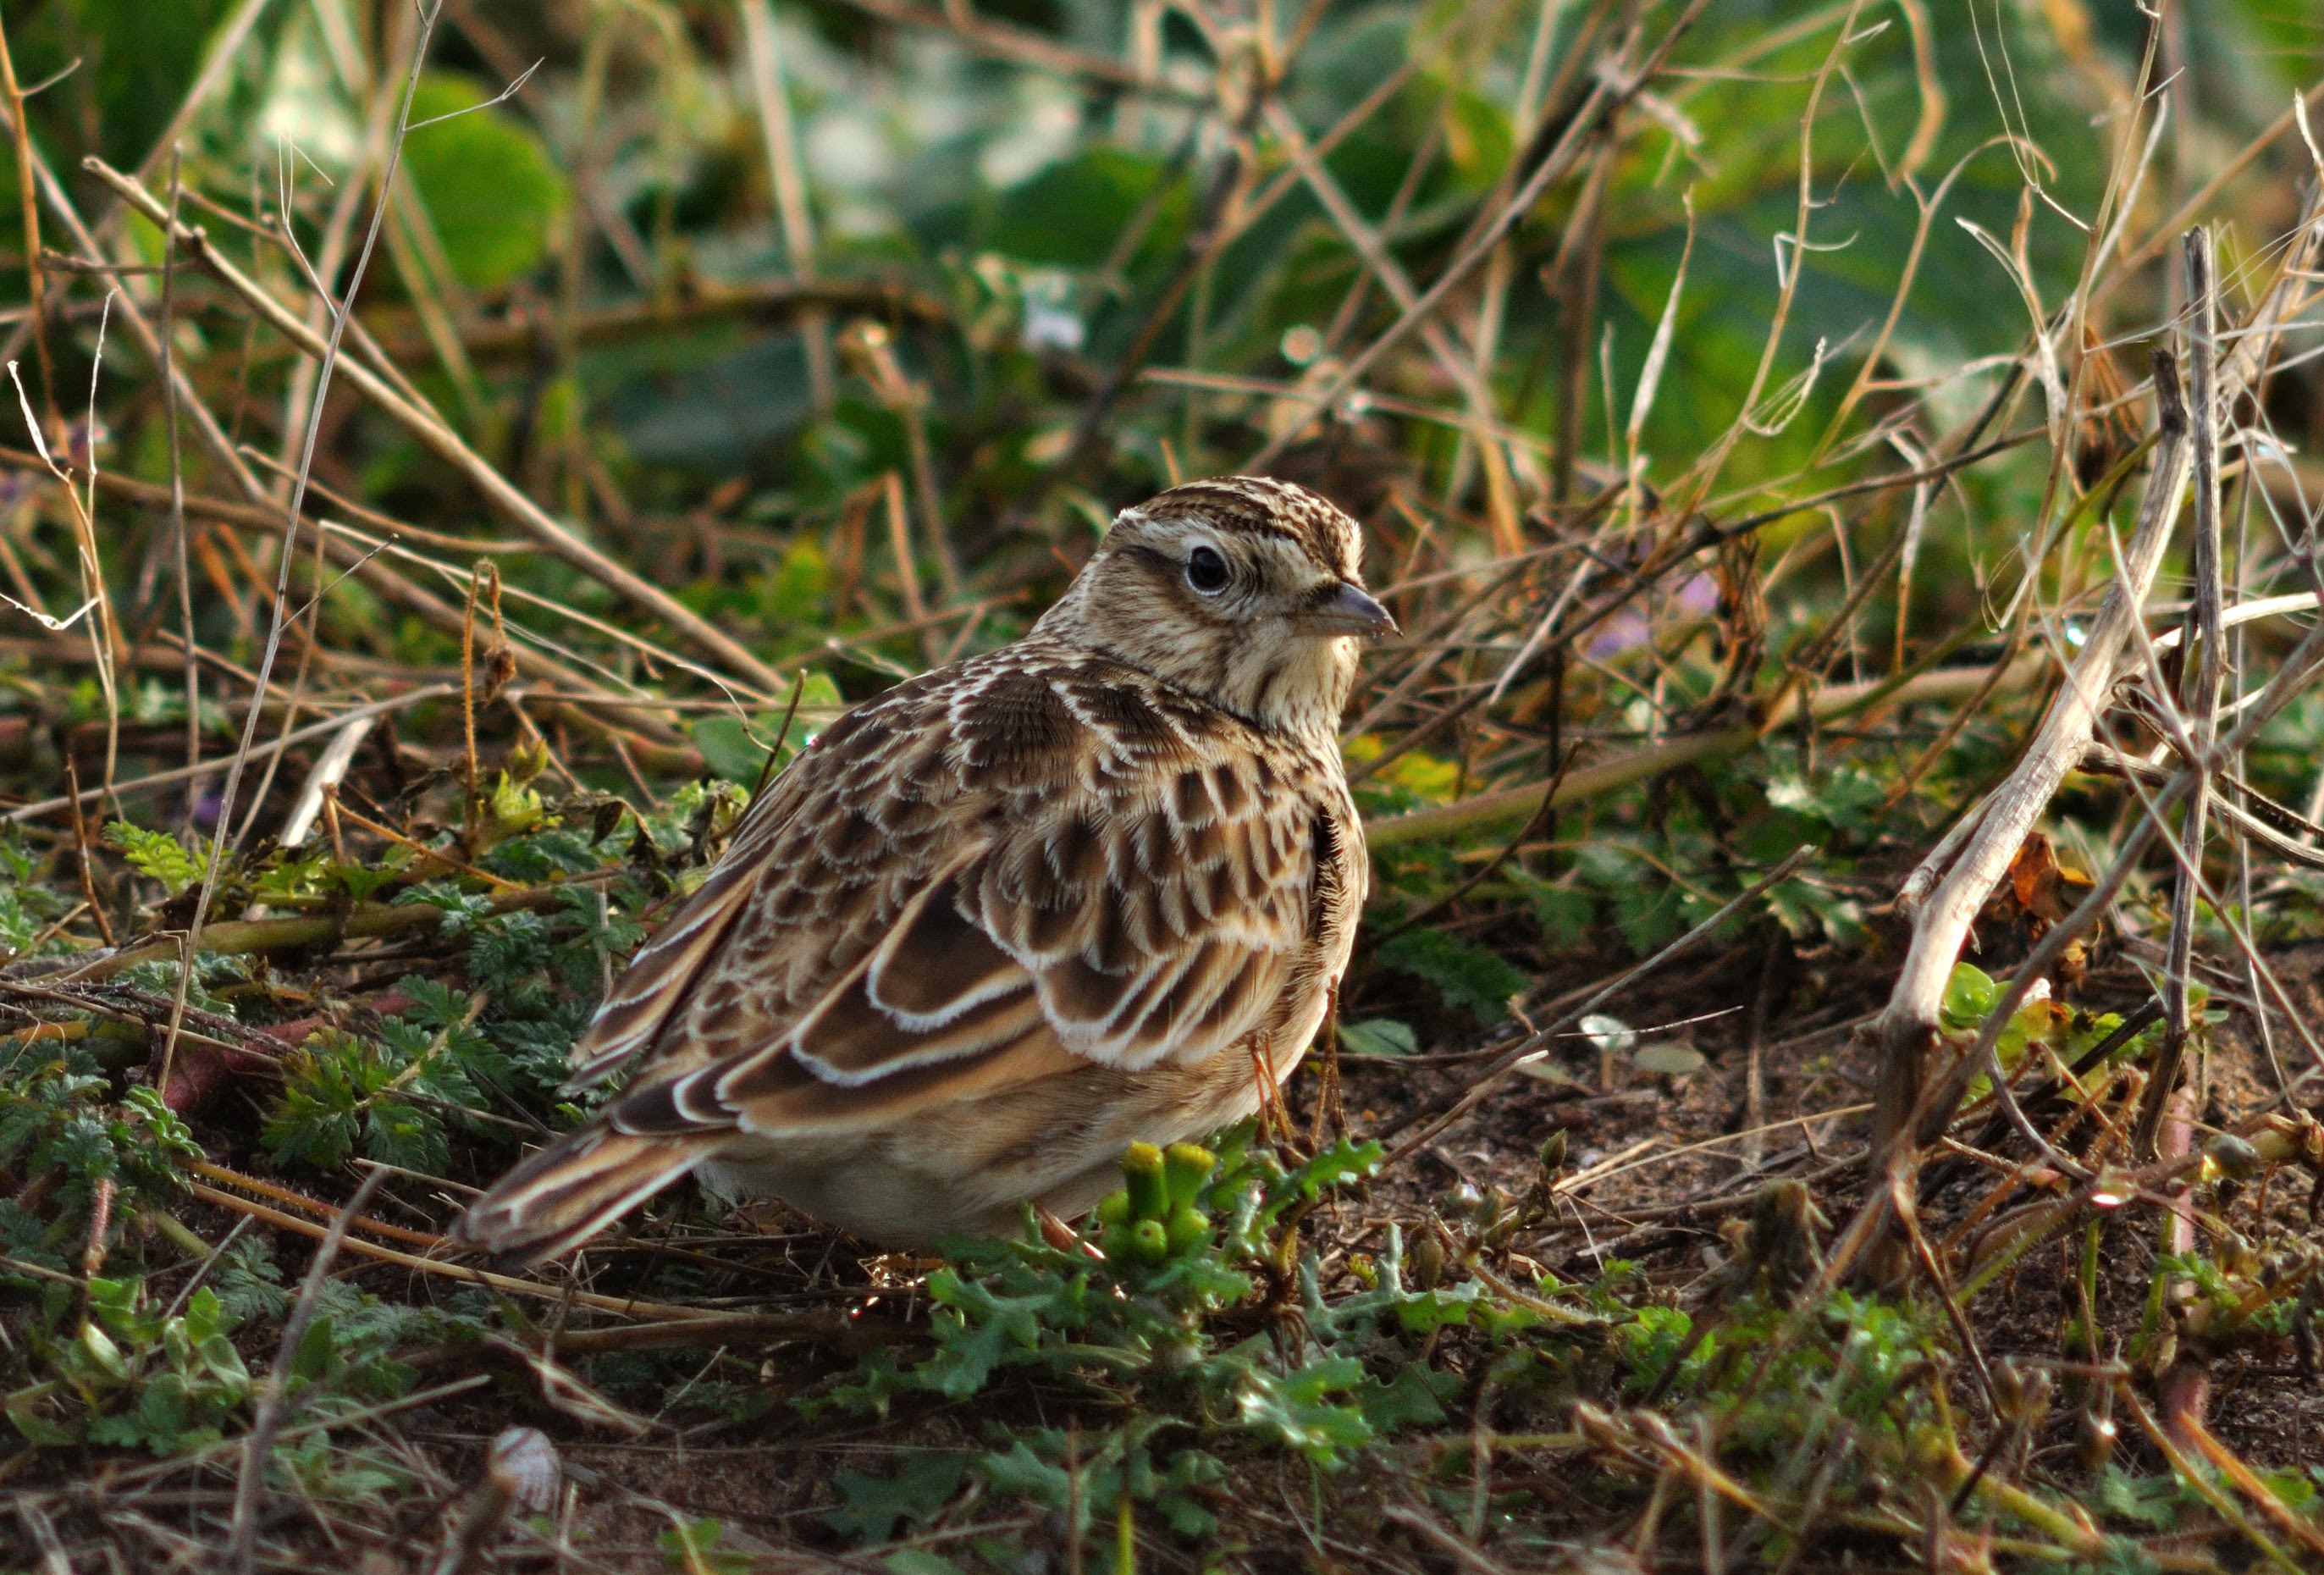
point(572, 1190)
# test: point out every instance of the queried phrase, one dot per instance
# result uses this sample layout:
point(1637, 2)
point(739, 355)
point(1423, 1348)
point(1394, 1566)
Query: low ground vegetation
point(1812, 1092)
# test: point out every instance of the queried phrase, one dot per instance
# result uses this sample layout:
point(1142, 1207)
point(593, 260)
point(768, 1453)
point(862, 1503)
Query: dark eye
point(1206, 571)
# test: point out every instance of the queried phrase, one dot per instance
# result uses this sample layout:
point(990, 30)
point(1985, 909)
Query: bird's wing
point(991, 881)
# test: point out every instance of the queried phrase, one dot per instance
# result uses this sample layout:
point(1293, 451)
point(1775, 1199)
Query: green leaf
point(39, 1429)
point(1297, 1410)
point(728, 748)
point(325, 1083)
point(1413, 1399)
point(1669, 1058)
point(1171, 1492)
point(695, 1546)
point(158, 855)
point(1846, 796)
point(1346, 1160)
point(103, 1353)
point(792, 594)
point(1468, 977)
point(1655, 1337)
point(1969, 996)
point(398, 1133)
point(359, 883)
point(736, 749)
point(489, 188)
point(434, 1003)
point(317, 1348)
point(2152, 1501)
point(1378, 1036)
point(1017, 1472)
point(1071, 214)
point(461, 910)
point(1563, 913)
point(1807, 909)
point(980, 1329)
point(872, 1506)
point(1426, 1311)
point(249, 1284)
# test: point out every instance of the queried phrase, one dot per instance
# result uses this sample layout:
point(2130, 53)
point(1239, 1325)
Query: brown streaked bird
point(1015, 914)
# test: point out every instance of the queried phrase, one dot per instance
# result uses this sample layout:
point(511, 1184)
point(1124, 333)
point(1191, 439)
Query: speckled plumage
point(1010, 916)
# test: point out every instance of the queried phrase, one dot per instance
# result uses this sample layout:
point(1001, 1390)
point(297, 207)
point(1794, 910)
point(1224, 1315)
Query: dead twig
point(437, 436)
point(273, 1396)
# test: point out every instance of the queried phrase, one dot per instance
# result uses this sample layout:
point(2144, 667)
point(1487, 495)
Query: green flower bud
point(1186, 1166)
point(1149, 1241)
point(1141, 1167)
point(1114, 1209)
point(1189, 1228)
point(1553, 1151)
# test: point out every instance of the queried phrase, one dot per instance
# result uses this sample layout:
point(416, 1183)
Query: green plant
point(396, 1094)
point(159, 856)
point(61, 1119)
point(1160, 1324)
point(131, 1375)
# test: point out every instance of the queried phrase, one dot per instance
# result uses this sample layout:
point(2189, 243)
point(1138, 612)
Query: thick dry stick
point(1866, 1232)
point(440, 439)
point(1907, 1028)
point(372, 920)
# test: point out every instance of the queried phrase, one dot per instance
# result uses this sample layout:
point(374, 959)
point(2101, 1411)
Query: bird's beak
point(1350, 610)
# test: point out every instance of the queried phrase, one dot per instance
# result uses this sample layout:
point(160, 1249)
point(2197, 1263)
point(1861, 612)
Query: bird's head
point(1243, 590)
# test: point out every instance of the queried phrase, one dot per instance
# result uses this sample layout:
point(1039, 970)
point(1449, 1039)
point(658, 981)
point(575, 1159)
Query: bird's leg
point(1272, 1111)
point(1262, 1071)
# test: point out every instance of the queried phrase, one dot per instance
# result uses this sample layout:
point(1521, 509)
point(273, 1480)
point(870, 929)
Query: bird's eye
point(1206, 571)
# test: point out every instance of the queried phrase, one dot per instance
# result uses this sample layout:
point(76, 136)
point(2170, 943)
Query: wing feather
point(657, 979)
point(936, 963)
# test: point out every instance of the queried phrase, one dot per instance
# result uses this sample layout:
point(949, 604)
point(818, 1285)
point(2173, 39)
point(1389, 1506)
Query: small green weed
point(1192, 1340)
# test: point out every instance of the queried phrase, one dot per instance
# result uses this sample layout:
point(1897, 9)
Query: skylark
point(1011, 916)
